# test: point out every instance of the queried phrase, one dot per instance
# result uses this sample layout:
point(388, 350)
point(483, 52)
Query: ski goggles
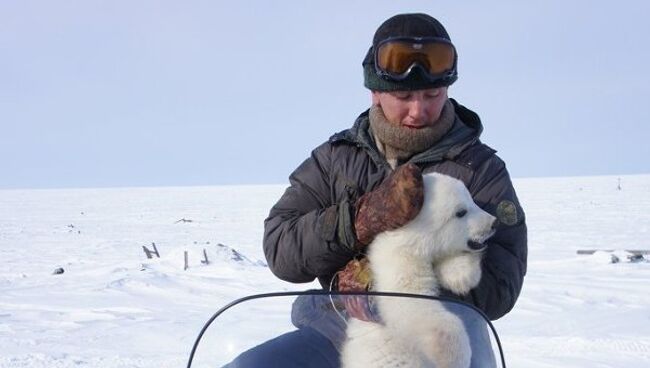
point(395, 58)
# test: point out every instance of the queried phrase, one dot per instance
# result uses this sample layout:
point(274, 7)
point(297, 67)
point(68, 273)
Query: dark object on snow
point(636, 255)
point(633, 251)
point(58, 271)
point(234, 255)
point(205, 257)
point(149, 252)
point(634, 258)
point(183, 220)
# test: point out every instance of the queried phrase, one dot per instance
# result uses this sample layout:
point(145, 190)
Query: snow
point(113, 307)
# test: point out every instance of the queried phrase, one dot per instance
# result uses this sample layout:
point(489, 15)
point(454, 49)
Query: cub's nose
point(476, 246)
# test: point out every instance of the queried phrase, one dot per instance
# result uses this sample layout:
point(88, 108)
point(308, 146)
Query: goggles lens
point(396, 57)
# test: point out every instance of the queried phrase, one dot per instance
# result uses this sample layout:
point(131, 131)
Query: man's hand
point(396, 201)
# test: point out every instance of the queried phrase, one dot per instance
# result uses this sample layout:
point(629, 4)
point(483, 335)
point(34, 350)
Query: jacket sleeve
point(504, 264)
point(306, 235)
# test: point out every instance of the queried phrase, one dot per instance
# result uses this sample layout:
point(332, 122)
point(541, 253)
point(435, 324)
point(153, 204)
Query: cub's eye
point(461, 213)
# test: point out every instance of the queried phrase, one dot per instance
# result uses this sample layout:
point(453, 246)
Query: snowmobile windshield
point(323, 329)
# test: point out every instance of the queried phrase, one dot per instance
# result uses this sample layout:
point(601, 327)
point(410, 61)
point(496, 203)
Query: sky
point(167, 93)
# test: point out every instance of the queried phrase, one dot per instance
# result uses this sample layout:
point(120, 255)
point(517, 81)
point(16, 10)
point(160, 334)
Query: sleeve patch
point(507, 213)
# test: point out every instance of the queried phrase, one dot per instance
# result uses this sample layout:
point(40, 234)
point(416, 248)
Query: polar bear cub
point(441, 247)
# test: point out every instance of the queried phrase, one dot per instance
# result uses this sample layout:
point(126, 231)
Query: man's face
point(412, 109)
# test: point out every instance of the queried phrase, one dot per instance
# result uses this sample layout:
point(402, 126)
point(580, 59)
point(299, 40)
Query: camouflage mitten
point(356, 277)
point(396, 201)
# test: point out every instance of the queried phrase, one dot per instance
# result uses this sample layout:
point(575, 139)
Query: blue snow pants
point(302, 348)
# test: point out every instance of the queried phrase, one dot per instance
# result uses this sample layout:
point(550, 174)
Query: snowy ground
point(112, 307)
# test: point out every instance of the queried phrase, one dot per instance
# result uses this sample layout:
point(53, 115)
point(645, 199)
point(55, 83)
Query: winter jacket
point(309, 232)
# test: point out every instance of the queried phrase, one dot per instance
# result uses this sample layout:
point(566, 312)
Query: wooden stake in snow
point(205, 256)
point(150, 252)
point(186, 265)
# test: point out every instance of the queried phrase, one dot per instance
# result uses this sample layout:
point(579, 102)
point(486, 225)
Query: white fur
point(428, 252)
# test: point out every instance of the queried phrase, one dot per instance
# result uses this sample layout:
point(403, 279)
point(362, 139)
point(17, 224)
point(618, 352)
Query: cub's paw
point(459, 274)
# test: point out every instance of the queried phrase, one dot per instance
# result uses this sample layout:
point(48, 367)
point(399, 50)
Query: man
point(367, 179)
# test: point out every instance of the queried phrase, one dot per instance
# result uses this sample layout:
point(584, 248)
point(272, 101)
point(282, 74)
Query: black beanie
point(404, 25)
